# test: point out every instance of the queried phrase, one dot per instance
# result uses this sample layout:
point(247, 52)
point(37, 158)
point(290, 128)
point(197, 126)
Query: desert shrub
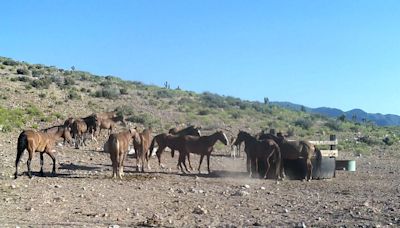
point(23, 71)
point(303, 123)
point(42, 95)
point(204, 112)
point(10, 62)
point(334, 125)
point(164, 93)
point(42, 83)
point(236, 115)
point(110, 93)
point(68, 81)
point(74, 95)
point(213, 100)
point(123, 91)
point(125, 110)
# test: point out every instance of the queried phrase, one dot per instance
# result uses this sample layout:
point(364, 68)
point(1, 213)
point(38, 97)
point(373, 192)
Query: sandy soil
point(84, 195)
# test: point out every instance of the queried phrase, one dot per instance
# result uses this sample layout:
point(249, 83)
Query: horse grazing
point(37, 141)
point(292, 150)
point(142, 148)
point(171, 140)
point(202, 145)
point(260, 150)
point(117, 145)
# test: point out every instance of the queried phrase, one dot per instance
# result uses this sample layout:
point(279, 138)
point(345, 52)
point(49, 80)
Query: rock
point(301, 225)
point(262, 188)
point(114, 226)
point(200, 210)
point(240, 193)
point(246, 186)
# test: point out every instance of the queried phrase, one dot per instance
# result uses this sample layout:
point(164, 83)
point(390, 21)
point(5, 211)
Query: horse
point(106, 115)
point(164, 140)
point(260, 150)
point(109, 123)
point(292, 150)
point(142, 148)
point(67, 134)
point(39, 141)
point(117, 145)
point(202, 145)
point(81, 126)
point(191, 130)
point(235, 149)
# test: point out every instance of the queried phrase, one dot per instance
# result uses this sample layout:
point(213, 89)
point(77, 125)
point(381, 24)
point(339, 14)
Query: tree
point(342, 118)
point(266, 100)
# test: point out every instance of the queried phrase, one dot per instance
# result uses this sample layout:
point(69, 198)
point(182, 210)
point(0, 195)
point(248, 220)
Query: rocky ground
point(84, 195)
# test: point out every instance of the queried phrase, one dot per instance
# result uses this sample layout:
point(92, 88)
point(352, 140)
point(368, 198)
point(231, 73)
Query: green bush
point(42, 83)
point(213, 100)
point(10, 62)
point(110, 93)
point(303, 123)
point(74, 95)
point(23, 71)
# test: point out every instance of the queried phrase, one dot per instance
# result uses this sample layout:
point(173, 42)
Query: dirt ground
point(83, 194)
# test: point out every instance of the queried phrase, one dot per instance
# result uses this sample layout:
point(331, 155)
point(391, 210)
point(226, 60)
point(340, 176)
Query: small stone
point(246, 186)
point(262, 188)
point(200, 210)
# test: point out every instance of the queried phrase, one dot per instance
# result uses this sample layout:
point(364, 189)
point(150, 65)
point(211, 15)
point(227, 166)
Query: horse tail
point(21, 146)
point(152, 146)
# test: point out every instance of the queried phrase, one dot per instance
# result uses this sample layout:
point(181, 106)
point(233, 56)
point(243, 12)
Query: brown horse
point(202, 145)
point(191, 130)
point(142, 148)
point(82, 126)
point(67, 134)
point(106, 115)
point(292, 150)
point(42, 142)
point(117, 145)
point(260, 150)
point(170, 140)
point(109, 123)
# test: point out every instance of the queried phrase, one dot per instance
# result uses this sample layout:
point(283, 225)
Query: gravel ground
point(83, 194)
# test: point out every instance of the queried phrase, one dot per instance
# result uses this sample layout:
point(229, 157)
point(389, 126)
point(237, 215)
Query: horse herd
point(262, 148)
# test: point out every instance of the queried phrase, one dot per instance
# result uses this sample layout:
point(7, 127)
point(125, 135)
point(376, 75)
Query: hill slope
point(354, 114)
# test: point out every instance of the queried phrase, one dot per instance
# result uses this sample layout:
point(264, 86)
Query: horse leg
point(201, 160)
point(28, 163)
point(53, 157)
point(158, 153)
point(309, 169)
point(190, 164)
point(181, 160)
point(208, 163)
point(267, 166)
point(41, 164)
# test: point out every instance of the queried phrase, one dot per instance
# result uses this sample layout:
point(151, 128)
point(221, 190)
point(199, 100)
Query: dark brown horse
point(260, 150)
point(42, 142)
point(191, 130)
point(117, 146)
point(202, 145)
point(292, 150)
point(170, 140)
point(142, 148)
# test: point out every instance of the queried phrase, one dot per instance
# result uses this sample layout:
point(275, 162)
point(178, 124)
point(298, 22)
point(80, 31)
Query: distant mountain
point(354, 114)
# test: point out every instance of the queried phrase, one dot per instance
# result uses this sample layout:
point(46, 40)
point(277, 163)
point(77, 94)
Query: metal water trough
point(296, 169)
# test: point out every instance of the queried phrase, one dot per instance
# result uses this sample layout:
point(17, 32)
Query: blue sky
point(340, 54)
